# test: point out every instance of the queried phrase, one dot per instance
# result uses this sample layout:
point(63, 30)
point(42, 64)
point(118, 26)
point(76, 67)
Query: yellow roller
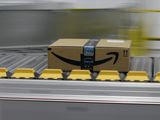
point(80, 74)
point(157, 77)
point(137, 76)
point(3, 72)
point(24, 73)
point(51, 74)
point(112, 75)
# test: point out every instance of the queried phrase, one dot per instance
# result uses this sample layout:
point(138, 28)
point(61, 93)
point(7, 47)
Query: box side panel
point(112, 59)
point(65, 58)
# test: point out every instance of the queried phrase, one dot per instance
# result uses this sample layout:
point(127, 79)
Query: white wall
point(152, 18)
point(78, 3)
point(102, 3)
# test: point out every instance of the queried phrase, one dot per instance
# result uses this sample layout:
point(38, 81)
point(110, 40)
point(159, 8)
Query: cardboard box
point(92, 54)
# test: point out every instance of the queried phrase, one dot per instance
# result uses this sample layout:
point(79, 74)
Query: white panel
point(151, 19)
point(102, 3)
point(150, 4)
point(152, 24)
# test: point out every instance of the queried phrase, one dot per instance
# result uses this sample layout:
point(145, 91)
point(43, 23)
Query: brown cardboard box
point(68, 54)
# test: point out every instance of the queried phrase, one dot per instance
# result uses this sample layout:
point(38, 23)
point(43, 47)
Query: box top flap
point(114, 43)
point(69, 42)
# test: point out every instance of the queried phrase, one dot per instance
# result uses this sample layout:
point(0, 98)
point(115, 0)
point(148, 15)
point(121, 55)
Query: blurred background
point(40, 22)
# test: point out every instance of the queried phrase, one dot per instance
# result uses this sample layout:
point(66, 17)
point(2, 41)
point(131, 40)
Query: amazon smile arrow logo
point(113, 56)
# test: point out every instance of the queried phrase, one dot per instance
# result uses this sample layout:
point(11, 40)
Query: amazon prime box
point(92, 54)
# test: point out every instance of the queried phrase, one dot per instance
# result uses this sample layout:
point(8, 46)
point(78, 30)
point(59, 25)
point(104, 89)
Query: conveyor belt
point(36, 58)
point(75, 99)
point(141, 64)
point(70, 100)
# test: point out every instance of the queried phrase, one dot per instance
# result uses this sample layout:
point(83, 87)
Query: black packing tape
point(88, 56)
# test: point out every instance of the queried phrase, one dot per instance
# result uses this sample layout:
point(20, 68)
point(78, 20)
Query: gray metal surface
point(18, 110)
point(35, 58)
point(42, 27)
point(35, 5)
point(156, 62)
point(80, 91)
point(142, 64)
point(70, 100)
